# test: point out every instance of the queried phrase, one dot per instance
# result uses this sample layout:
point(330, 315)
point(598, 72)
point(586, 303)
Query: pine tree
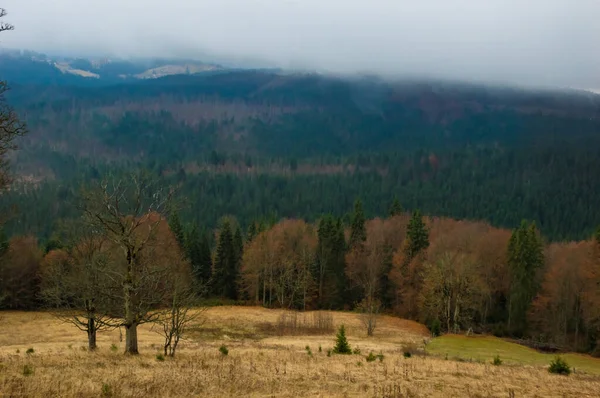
point(358, 231)
point(525, 257)
point(341, 343)
point(597, 236)
point(227, 261)
point(4, 245)
point(252, 232)
point(417, 236)
point(197, 248)
point(396, 209)
point(177, 229)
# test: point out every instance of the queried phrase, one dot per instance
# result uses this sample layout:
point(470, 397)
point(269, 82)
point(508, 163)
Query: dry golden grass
point(257, 365)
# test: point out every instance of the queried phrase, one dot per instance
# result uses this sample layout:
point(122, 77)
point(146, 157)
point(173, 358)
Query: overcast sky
point(545, 42)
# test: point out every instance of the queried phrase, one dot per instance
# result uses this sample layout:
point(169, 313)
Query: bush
point(27, 370)
point(30, 351)
point(435, 328)
point(559, 366)
point(328, 353)
point(223, 350)
point(380, 357)
point(371, 357)
point(308, 351)
point(497, 361)
point(160, 357)
point(341, 343)
point(114, 348)
point(320, 349)
point(409, 350)
point(106, 390)
point(356, 351)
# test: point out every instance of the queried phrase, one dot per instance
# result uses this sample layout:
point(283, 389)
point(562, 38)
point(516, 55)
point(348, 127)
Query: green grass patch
point(485, 348)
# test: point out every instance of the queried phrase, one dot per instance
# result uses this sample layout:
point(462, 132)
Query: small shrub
point(27, 370)
point(329, 353)
point(371, 357)
point(359, 363)
point(18, 351)
point(435, 328)
point(356, 351)
point(223, 350)
point(341, 343)
point(70, 346)
point(380, 357)
point(497, 361)
point(409, 350)
point(559, 366)
point(107, 390)
point(320, 349)
point(114, 348)
point(308, 351)
point(30, 351)
point(160, 357)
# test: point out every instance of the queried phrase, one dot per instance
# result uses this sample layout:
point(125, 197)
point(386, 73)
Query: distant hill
point(28, 67)
point(269, 143)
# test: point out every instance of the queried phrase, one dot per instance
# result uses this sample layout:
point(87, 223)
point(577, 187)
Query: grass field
point(485, 348)
point(261, 363)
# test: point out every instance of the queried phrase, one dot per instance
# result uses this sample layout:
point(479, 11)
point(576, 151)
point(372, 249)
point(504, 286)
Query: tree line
point(130, 255)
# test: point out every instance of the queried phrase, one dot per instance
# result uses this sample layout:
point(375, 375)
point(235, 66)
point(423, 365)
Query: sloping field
point(262, 362)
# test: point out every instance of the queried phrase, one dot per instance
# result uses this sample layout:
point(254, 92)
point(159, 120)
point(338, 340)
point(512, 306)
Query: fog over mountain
point(539, 42)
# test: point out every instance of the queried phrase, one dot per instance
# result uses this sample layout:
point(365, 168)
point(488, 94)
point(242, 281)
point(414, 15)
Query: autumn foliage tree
point(277, 265)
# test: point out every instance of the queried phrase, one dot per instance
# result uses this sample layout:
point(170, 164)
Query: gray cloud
point(542, 42)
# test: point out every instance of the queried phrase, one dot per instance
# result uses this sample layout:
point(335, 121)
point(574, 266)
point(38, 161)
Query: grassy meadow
point(265, 360)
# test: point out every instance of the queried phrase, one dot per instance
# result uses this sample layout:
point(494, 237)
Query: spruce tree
point(177, 229)
point(252, 232)
point(341, 343)
point(226, 261)
point(197, 248)
point(525, 257)
point(396, 209)
point(358, 231)
point(417, 236)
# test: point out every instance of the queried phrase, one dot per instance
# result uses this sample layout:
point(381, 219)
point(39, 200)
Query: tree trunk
point(131, 340)
point(91, 331)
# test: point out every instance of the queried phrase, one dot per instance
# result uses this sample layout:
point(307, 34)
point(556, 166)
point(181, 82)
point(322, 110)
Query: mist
point(536, 42)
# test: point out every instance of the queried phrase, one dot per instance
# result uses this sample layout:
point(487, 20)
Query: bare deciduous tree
point(11, 126)
point(183, 314)
point(75, 282)
point(131, 215)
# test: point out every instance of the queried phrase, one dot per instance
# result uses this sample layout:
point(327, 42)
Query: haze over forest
point(538, 42)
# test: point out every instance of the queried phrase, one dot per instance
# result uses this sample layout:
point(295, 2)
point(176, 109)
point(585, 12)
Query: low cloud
point(551, 42)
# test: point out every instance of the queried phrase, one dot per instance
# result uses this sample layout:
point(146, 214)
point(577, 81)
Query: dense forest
point(260, 144)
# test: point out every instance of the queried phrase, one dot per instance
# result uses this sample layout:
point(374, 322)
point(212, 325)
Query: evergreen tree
point(597, 236)
point(4, 245)
point(396, 209)
point(226, 263)
point(341, 342)
point(525, 257)
point(252, 232)
point(197, 248)
point(358, 231)
point(177, 228)
point(238, 244)
point(417, 236)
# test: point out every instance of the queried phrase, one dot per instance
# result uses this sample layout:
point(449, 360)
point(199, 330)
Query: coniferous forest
point(463, 207)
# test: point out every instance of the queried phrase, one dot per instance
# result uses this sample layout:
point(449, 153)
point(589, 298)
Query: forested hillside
point(259, 144)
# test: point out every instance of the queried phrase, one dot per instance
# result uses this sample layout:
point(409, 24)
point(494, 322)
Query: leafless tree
point(183, 314)
point(11, 126)
point(75, 282)
point(130, 213)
